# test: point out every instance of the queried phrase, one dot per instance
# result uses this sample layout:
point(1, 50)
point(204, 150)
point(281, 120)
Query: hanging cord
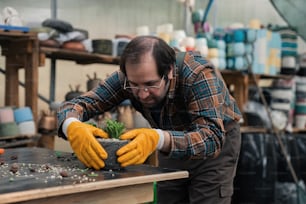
point(206, 12)
point(275, 131)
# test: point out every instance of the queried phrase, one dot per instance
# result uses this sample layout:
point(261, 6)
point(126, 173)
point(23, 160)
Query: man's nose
point(143, 93)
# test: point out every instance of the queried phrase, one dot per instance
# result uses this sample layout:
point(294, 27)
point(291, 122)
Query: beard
point(151, 101)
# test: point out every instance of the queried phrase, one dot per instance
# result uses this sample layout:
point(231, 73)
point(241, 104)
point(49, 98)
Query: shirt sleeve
point(108, 94)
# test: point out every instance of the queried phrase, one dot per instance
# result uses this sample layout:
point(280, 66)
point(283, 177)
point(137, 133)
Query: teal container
point(300, 109)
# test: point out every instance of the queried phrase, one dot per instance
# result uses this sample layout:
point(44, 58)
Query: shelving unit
point(241, 81)
point(79, 57)
point(20, 50)
point(19, 141)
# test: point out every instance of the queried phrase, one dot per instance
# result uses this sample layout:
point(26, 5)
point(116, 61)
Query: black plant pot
point(111, 146)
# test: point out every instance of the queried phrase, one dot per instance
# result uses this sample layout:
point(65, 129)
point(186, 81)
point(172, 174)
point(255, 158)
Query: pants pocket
point(226, 191)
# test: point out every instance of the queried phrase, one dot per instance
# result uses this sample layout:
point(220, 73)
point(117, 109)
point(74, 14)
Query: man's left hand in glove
point(144, 142)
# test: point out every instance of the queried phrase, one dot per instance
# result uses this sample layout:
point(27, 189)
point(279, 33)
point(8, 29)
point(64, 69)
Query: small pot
point(73, 93)
point(111, 146)
point(93, 82)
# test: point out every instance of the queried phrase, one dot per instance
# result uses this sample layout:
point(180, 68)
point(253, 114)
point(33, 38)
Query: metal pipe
point(53, 9)
point(52, 79)
point(53, 61)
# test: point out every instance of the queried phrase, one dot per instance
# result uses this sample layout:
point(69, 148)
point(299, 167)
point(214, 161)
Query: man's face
point(146, 85)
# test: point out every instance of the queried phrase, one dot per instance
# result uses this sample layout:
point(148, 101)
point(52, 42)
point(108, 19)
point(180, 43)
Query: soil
point(14, 174)
point(111, 146)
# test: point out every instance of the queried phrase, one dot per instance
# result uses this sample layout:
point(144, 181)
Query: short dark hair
point(163, 54)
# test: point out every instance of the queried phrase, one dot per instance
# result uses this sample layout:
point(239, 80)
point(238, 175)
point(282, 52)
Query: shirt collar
point(173, 83)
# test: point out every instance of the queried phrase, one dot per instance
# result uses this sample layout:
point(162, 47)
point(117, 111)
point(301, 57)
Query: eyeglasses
point(145, 88)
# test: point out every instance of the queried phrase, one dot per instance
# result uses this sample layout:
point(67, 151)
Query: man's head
point(163, 54)
point(147, 63)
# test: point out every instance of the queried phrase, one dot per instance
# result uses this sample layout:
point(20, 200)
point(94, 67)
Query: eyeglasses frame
point(145, 88)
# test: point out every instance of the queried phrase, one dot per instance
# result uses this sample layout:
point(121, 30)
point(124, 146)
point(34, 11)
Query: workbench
point(21, 50)
point(40, 179)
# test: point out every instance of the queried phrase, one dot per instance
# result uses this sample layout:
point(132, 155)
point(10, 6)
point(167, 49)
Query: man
point(194, 121)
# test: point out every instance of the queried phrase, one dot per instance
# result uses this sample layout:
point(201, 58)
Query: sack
point(61, 26)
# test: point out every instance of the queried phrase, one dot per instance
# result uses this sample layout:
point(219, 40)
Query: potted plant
point(111, 145)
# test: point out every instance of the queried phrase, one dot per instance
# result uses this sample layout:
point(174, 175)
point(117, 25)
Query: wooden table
point(39, 180)
point(21, 50)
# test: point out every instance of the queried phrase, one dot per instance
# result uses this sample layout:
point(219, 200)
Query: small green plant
point(114, 128)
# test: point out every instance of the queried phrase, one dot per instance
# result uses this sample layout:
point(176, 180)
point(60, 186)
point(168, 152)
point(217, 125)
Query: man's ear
point(170, 74)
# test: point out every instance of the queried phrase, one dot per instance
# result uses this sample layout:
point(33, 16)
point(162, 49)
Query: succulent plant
point(114, 128)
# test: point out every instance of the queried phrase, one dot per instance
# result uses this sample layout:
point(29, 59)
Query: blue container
point(23, 114)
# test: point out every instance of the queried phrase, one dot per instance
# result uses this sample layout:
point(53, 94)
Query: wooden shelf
point(299, 130)
point(80, 57)
point(250, 129)
point(259, 76)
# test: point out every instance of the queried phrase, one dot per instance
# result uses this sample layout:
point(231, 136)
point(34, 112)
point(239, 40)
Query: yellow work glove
point(84, 144)
point(144, 142)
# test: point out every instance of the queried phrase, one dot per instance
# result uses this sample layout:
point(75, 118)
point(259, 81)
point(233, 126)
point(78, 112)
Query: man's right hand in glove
point(84, 144)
